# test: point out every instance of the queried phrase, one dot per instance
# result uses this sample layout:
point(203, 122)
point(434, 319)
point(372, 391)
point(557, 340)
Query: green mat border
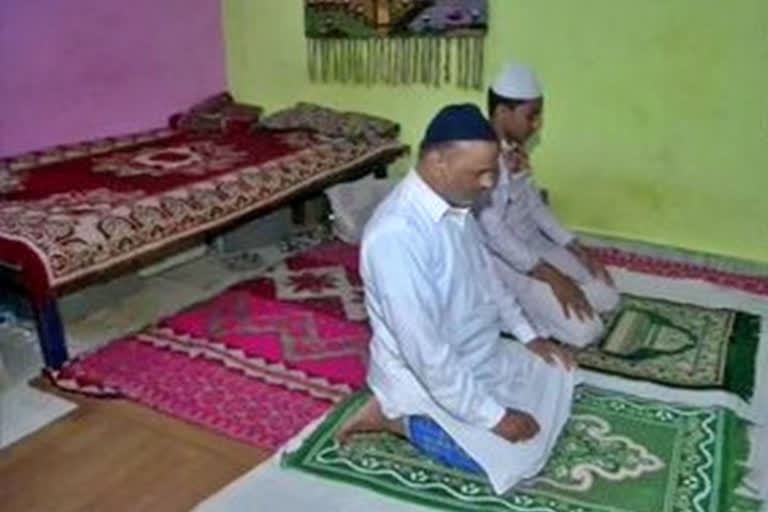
point(741, 359)
point(737, 451)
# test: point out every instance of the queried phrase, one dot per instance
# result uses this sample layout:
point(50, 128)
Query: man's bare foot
point(368, 418)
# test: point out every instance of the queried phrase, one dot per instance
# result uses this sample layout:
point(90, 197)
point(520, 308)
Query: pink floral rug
point(258, 362)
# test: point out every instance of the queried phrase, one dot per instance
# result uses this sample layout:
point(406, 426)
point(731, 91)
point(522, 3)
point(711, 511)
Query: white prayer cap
point(517, 81)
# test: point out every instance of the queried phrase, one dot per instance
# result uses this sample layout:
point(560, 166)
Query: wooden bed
point(83, 213)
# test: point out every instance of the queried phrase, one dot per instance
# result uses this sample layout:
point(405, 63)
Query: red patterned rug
point(70, 213)
point(751, 283)
point(258, 362)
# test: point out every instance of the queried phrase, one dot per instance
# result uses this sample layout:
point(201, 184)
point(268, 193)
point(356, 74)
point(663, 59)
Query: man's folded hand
point(516, 426)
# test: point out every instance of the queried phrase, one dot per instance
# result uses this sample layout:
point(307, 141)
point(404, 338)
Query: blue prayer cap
point(456, 123)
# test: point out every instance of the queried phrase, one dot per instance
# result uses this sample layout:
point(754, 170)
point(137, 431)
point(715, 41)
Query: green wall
point(656, 110)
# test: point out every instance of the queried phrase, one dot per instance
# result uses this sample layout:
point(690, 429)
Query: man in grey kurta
point(559, 284)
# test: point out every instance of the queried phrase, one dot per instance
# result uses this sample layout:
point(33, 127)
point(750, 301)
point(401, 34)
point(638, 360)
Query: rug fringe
point(398, 61)
point(742, 355)
point(72, 383)
point(735, 458)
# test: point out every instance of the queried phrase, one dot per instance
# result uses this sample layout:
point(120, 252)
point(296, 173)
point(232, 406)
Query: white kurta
point(520, 231)
point(436, 350)
point(516, 223)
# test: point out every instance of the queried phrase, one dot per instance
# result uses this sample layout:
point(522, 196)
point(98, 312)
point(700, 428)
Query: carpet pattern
point(72, 211)
point(257, 362)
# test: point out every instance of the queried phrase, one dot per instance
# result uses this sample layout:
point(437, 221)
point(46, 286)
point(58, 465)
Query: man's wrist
point(540, 271)
point(494, 414)
point(575, 247)
point(546, 273)
point(526, 333)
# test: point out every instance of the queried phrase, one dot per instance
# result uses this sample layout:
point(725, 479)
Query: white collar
point(507, 177)
point(503, 179)
point(435, 205)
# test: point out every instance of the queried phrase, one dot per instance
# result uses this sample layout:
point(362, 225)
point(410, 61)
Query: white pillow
point(353, 204)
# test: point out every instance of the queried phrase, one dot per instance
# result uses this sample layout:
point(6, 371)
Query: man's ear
point(444, 157)
point(505, 111)
point(436, 159)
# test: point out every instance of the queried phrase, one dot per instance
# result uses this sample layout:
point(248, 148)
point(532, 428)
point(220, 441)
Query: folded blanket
point(217, 114)
point(331, 122)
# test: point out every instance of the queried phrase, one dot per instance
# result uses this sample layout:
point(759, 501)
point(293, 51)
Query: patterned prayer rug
point(397, 41)
point(678, 345)
point(258, 362)
point(220, 394)
point(617, 453)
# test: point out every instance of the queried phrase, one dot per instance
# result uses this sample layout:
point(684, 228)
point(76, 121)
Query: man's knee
point(602, 297)
point(541, 305)
point(580, 333)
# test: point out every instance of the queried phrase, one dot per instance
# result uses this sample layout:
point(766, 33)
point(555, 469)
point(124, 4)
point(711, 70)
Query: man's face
point(522, 121)
point(468, 169)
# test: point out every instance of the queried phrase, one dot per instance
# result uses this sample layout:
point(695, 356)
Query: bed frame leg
point(299, 213)
point(50, 332)
point(380, 172)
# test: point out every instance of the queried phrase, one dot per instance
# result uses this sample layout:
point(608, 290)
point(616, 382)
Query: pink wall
point(77, 69)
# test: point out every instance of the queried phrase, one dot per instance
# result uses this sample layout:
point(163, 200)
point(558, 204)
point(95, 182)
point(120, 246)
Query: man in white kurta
point(561, 287)
point(437, 317)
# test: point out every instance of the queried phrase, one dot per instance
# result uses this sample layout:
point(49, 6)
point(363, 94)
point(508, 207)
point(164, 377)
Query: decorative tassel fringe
point(432, 61)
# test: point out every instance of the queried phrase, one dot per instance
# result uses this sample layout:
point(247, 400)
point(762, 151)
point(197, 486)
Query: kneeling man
point(440, 372)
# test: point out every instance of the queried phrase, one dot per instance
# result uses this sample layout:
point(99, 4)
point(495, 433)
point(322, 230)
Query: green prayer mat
point(617, 453)
point(679, 345)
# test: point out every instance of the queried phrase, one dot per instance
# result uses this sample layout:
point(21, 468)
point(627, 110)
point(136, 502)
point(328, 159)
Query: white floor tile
point(24, 410)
